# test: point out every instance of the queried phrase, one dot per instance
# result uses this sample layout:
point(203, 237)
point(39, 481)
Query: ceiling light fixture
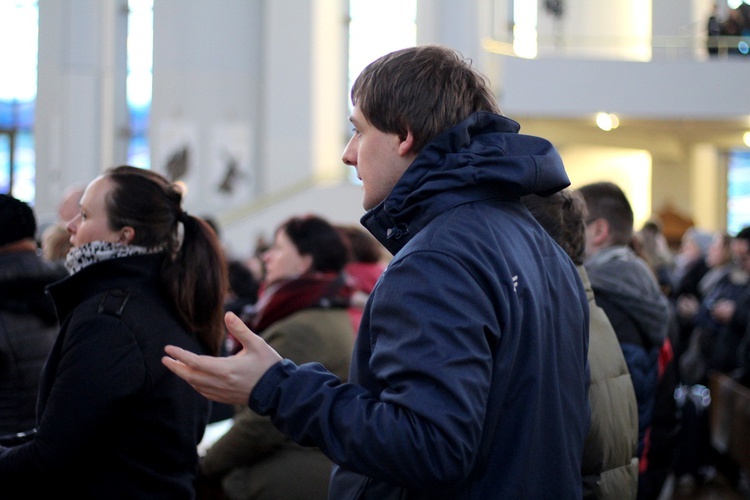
point(607, 121)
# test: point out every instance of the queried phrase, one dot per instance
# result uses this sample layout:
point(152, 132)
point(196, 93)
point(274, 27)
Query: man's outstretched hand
point(225, 379)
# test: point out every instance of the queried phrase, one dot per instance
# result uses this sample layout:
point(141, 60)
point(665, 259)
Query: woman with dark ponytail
point(113, 422)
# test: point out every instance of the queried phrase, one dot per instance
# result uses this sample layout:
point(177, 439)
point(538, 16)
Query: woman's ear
point(306, 262)
point(127, 234)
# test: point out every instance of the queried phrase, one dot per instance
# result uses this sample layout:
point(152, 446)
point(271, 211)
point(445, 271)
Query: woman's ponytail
point(196, 279)
point(194, 272)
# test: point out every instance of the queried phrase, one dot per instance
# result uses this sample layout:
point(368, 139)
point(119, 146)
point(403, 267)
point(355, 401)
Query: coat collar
point(484, 157)
point(120, 273)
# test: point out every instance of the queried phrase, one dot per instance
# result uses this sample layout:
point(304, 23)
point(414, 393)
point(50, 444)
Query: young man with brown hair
point(469, 375)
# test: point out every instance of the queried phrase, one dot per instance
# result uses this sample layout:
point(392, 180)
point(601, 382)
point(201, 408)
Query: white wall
point(339, 203)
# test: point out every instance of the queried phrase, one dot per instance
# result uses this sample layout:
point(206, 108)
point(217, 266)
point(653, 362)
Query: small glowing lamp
point(607, 121)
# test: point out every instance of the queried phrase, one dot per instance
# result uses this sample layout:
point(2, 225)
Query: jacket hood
point(482, 157)
point(625, 279)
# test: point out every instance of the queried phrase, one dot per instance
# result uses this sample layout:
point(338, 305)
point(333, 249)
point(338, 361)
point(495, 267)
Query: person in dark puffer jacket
point(28, 326)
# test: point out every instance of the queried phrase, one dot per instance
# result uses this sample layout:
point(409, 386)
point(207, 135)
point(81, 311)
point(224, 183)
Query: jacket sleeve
point(99, 367)
point(418, 421)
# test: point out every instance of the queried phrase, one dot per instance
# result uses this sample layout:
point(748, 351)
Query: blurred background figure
point(28, 326)
point(652, 246)
point(690, 262)
point(302, 312)
point(713, 345)
point(627, 290)
point(721, 319)
point(243, 288)
point(55, 238)
point(242, 294)
point(718, 262)
point(365, 266)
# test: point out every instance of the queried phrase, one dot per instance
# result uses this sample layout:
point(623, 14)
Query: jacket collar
point(483, 157)
point(119, 273)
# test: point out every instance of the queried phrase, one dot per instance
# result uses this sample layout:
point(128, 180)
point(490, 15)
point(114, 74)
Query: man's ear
point(600, 231)
point(127, 234)
point(406, 144)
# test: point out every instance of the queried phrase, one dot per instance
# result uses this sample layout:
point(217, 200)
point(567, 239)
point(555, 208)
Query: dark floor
point(715, 489)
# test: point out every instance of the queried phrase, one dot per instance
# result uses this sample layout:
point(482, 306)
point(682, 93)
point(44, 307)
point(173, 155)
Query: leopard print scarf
point(98, 251)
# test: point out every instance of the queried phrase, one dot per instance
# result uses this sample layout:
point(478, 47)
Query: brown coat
point(254, 459)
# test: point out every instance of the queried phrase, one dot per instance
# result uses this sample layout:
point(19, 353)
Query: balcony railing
point(694, 47)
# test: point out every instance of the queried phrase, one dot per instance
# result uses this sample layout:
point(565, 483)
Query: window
point(738, 191)
point(375, 29)
point(19, 21)
point(139, 79)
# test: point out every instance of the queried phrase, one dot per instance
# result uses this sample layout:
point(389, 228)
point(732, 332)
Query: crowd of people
point(728, 31)
point(707, 282)
point(84, 399)
point(491, 332)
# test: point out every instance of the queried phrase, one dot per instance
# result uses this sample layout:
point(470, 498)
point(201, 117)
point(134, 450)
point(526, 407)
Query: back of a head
point(651, 227)
point(719, 253)
point(741, 248)
point(700, 238)
point(605, 200)
point(743, 234)
point(69, 206)
point(365, 248)
point(242, 281)
point(315, 236)
point(562, 215)
point(17, 220)
point(426, 90)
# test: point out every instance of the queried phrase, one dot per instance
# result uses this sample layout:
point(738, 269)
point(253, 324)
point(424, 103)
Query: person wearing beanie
point(28, 326)
point(17, 221)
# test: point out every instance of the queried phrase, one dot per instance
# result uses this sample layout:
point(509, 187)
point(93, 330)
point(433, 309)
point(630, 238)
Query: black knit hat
point(17, 221)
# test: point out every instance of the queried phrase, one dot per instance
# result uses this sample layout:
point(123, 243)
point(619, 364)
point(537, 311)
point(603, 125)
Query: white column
point(708, 187)
point(302, 57)
point(261, 80)
point(459, 25)
point(80, 107)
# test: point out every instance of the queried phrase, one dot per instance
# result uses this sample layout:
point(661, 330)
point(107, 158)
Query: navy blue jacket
point(469, 376)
